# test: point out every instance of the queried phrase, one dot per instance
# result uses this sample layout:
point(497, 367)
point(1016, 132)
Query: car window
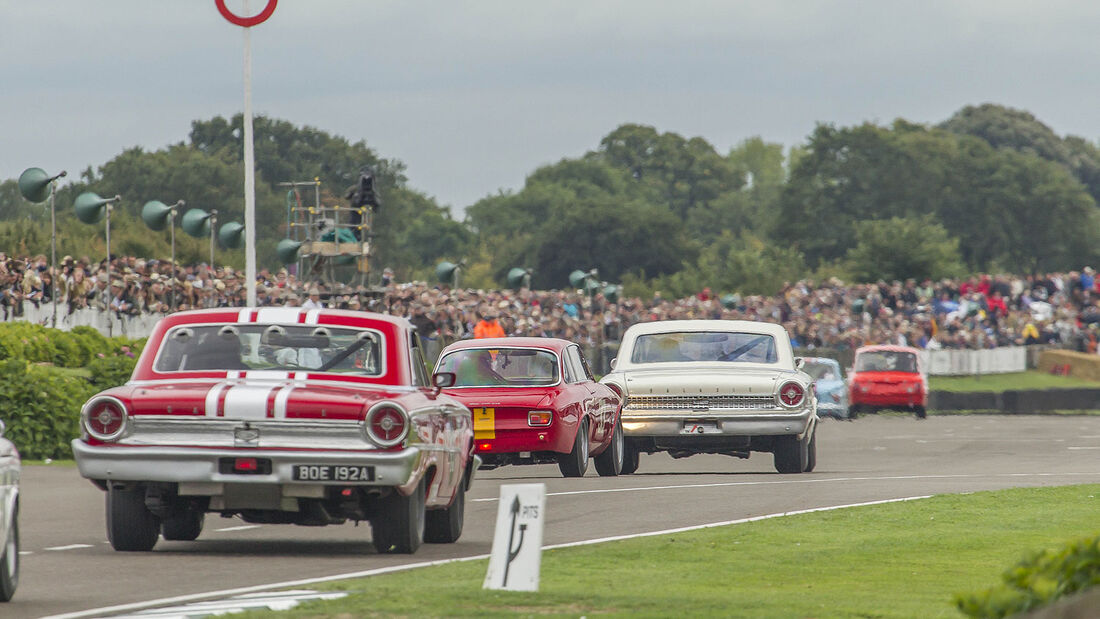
point(705, 346)
point(575, 363)
point(821, 369)
point(510, 367)
point(886, 361)
point(420, 371)
point(253, 346)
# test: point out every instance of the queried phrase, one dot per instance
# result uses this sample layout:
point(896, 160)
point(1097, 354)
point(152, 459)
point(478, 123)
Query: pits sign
point(517, 543)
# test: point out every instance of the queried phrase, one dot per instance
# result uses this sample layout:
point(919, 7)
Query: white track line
point(798, 481)
point(180, 599)
point(240, 528)
point(69, 547)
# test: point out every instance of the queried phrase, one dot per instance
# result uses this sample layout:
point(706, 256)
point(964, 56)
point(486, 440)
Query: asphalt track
point(68, 566)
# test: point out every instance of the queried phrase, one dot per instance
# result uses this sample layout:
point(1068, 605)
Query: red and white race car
point(280, 415)
point(534, 401)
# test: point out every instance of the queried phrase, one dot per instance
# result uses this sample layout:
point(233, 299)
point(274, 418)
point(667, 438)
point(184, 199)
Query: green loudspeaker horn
point(155, 214)
point(90, 208)
point(196, 222)
point(445, 272)
point(287, 250)
point(611, 292)
point(730, 301)
point(518, 277)
point(576, 278)
point(229, 235)
point(34, 184)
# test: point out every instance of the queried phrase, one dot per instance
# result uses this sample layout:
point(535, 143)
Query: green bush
point(70, 349)
point(41, 408)
point(1038, 581)
point(110, 372)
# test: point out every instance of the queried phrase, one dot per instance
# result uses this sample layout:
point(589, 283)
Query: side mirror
point(613, 362)
point(799, 363)
point(2, 428)
point(442, 380)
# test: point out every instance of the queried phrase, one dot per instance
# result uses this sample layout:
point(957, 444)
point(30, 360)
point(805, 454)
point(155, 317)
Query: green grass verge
point(895, 560)
point(1032, 379)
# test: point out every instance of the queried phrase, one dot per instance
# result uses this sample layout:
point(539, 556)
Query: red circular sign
point(246, 22)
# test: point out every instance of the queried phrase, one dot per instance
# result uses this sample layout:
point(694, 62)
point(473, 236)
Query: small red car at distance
point(887, 377)
point(279, 416)
point(535, 401)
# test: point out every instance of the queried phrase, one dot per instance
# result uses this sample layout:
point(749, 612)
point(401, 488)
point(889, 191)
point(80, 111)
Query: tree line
point(990, 189)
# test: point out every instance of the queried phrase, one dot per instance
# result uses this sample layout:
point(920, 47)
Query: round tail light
point(386, 424)
point(104, 418)
point(791, 394)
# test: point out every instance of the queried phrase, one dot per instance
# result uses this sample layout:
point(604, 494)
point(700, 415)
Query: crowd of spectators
point(983, 311)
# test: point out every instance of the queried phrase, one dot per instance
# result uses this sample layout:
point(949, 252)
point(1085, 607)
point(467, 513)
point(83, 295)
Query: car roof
point(666, 326)
point(283, 315)
point(553, 343)
point(888, 348)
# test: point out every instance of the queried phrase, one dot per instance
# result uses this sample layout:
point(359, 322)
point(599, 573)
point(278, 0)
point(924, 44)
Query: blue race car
point(829, 386)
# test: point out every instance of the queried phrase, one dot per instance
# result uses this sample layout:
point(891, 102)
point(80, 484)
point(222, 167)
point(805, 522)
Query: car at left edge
point(280, 416)
point(9, 517)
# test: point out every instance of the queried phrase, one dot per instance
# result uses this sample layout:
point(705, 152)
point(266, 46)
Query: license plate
point(700, 427)
point(332, 472)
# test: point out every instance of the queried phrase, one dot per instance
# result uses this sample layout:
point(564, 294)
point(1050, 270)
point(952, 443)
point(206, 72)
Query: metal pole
point(172, 282)
point(53, 253)
point(249, 175)
point(213, 224)
point(110, 323)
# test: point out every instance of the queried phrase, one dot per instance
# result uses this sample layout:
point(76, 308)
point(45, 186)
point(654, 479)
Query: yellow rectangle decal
point(484, 423)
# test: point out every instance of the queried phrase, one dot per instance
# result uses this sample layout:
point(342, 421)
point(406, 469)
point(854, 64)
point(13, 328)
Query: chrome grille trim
point(694, 402)
point(147, 431)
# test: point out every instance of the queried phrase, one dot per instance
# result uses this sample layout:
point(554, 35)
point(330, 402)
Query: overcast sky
point(474, 95)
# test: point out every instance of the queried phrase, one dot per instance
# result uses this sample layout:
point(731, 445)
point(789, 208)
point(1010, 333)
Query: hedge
point(70, 349)
point(41, 408)
point(1038, 581)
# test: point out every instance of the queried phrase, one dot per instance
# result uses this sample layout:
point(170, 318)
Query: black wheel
point(130, 525)
point(444, 526)
point(398, 526)
point(610, 462)
point(631, 458)
point(921, 414)
point(791, 454)
point(811, 453)
point(575, 463)
point(853, 412)
point(9, 561)
point(184, 525)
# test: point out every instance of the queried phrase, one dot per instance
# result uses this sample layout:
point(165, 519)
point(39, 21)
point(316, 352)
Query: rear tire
point(444, 526)
point(921, 413)
point(853, 412)
point(610, 462)
point(184, 526)
point(631, 458)
point(575, 463)
point(130, 525)
point(811, 455)
point(9, 562)
point(398, 526)
point(791, 454)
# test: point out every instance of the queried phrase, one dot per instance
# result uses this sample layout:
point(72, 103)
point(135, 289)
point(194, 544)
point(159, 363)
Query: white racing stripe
point(284, 315)
point(312, 316)
point(212, 397)
point(402, 568)
point(281, 400)
point(247, 401)
point(244, 315)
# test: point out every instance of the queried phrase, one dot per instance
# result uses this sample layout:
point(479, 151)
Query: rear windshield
point(821, 369)
point(509, 367)
point(886, 361)
point(271, 347)
point(705, 346)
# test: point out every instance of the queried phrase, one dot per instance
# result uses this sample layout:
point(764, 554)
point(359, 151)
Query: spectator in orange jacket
point(488, 325)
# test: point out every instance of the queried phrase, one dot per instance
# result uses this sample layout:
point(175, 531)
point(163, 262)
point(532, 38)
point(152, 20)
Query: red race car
point(887, 377)
point(534, 401)
point(279, 416)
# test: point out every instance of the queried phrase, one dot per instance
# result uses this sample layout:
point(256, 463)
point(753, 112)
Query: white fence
point(972, 362)
point(107, 323)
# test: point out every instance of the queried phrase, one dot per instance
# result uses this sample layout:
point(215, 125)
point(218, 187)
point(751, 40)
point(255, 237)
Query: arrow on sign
point(512, 554)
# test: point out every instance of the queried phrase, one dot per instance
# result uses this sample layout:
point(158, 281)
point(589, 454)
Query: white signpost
point(517, 543)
